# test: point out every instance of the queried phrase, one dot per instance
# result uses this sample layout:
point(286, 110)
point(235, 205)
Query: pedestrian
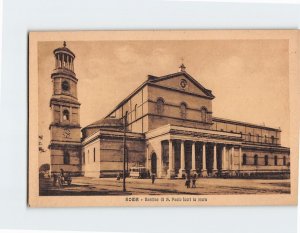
point(194, 181)
point(62, 172)
point(153, 178)
point(118, 177)
point(62, 176)
point(188, 182)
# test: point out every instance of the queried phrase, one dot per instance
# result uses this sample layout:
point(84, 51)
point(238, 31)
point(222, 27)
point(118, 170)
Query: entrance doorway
point(153, 163)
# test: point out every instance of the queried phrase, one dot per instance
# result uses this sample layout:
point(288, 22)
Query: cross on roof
point(182, 67)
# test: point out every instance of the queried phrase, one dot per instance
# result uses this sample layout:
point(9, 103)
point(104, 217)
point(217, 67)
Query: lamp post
point(124, 153)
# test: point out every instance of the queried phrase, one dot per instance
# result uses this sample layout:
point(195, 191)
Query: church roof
point(65, 49)
point(108, 122)
point(194, 81)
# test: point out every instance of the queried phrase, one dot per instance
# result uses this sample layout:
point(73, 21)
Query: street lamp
point(124, 153)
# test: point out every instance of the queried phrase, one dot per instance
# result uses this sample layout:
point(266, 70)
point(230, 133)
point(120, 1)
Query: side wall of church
point(112, 155)
point(271, 166)
point(136, 108)
point(249, 133)
point(104, 156)
point(91, 161)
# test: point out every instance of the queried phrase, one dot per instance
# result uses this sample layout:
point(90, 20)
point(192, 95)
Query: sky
point(249, 78)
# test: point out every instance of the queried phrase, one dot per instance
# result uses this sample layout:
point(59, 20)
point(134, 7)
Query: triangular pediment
point(184, 82)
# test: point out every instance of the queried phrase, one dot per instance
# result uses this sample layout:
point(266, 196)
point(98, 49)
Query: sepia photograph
point(161, 118)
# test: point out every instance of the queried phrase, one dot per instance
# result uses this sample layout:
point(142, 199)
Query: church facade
point(170, 129)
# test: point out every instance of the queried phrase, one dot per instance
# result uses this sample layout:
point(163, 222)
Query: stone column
point(228, 158)
point(193, 170)
point(182, 160)
point(60, 61)
point(204, 171)
point(159, 161)
point(224, 158)
point(147, 157)
point(72, 64)
point(232, 158)
point(56, 62)
point(171, 171)
point(215, 158)
point(240, 158)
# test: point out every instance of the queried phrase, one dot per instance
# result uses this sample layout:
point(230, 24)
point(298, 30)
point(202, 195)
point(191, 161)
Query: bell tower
point(65, 144)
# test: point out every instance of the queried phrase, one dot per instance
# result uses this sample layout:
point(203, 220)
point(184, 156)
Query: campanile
point(65, 144)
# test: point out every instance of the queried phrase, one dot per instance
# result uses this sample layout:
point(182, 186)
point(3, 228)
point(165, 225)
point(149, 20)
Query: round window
point(65, 86)
point(183, 83)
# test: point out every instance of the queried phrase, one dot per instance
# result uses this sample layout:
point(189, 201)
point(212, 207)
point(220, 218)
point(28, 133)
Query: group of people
point(188, 181)
point(59, 179)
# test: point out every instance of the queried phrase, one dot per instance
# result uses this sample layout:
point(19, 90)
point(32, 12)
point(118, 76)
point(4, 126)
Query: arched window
point(94, 154)
point(272, 139)
point(255, 160)
point(266, 160)
point(275, 160)
point(135, 112)
point(284, 161)
point(203, 114)
point(88, 157)
point(160, 105)
point(183, 110)
point(244, 159)
point(66, 115)
point(66, 157)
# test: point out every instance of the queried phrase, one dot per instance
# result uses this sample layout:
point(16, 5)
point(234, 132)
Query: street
point(208, 186)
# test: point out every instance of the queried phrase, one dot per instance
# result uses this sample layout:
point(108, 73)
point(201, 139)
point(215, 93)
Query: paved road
point(110, 186)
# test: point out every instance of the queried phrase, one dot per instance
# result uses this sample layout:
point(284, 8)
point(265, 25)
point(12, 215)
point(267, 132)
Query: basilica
point(169, 128)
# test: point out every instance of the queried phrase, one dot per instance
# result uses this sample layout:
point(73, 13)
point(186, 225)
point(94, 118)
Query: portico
point(183, 151)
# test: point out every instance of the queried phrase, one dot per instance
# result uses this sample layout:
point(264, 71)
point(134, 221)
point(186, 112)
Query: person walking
point(194, 179)
point(188, 182)
point(153, 178)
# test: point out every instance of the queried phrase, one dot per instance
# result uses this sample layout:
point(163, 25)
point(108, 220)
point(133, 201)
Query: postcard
point(163, 118)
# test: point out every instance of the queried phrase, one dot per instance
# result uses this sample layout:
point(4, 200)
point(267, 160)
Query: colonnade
point(227, 158)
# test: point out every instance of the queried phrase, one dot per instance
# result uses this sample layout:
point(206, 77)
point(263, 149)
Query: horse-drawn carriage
point(61, 179)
